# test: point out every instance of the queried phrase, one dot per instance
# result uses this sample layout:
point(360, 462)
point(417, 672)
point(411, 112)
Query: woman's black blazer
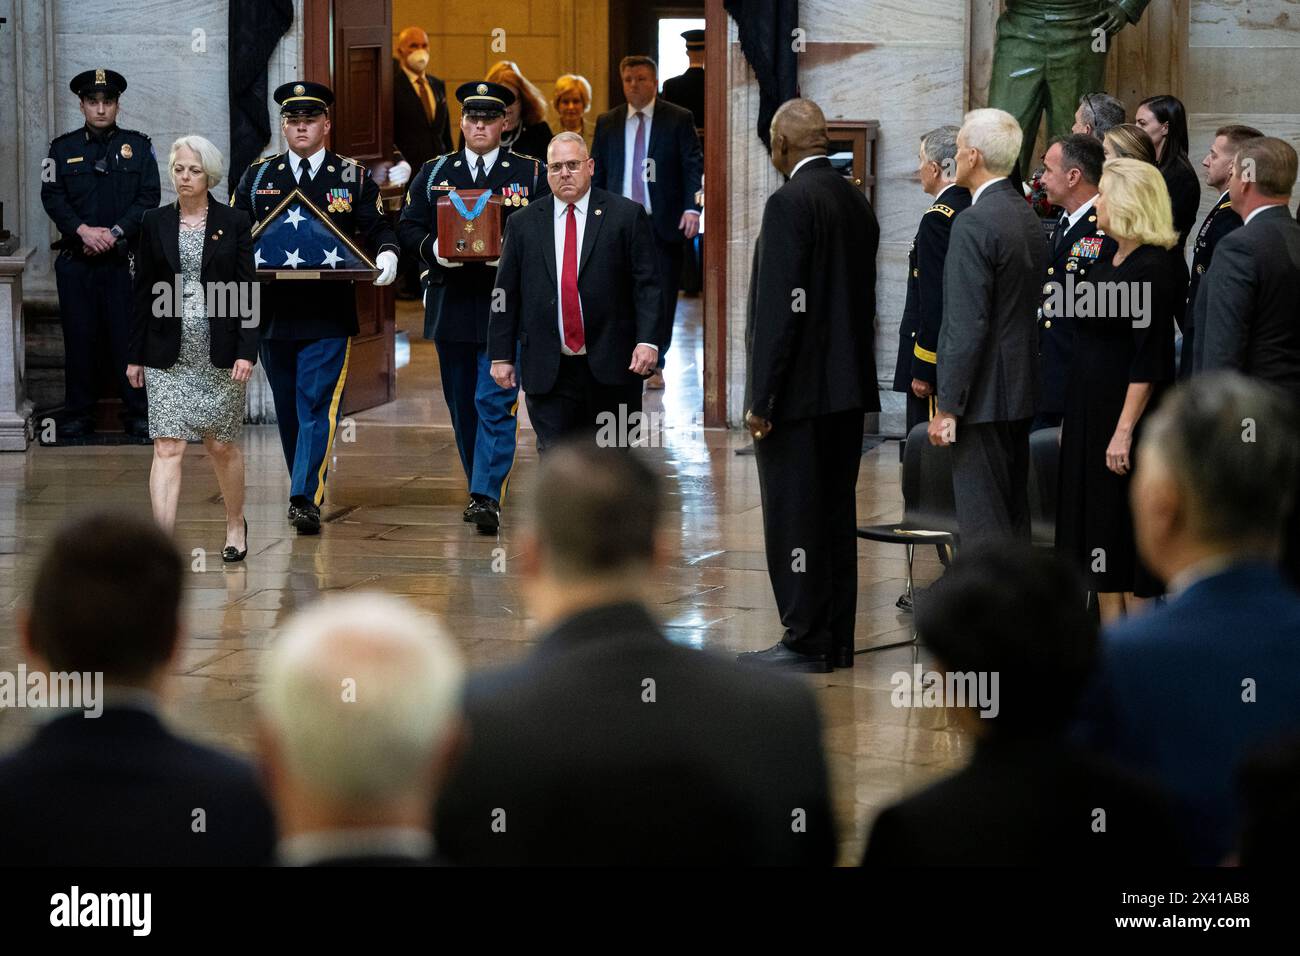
point(229, 279)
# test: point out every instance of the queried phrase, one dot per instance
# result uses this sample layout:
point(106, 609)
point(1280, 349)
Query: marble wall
point(902, 62)
point(547, 38)
point(1243, 66)
point(174, 60)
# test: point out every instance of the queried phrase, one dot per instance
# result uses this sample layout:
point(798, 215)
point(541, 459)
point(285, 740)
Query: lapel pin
point(330, 168)
point(456, 163)
point(597, 212)
point(505, 164)
point(281, 166)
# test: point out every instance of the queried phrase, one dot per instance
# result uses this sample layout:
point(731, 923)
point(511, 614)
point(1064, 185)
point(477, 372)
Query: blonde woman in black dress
point(1123, 361)
point(195, 360)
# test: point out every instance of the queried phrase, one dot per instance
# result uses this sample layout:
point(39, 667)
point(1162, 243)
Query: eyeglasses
point(572, 165)
point(1087, 99)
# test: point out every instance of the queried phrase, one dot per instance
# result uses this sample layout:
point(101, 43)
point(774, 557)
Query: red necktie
point(569, 306)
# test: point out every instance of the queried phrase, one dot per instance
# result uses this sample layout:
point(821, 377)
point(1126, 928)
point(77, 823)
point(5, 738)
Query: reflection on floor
point(395, 495)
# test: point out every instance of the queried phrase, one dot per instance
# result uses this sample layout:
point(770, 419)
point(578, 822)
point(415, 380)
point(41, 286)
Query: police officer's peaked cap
point(98, 81)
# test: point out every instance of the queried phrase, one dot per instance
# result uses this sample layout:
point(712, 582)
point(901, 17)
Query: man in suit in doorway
point(812, 376)
point(648, 151)
point(988, 345)
point(578, 302)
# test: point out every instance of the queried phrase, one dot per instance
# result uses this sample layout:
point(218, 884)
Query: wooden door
point(348, 47)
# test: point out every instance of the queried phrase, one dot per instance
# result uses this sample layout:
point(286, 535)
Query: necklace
point(199, 223)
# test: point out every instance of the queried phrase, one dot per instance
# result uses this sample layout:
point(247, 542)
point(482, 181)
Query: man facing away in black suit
point(1015, 646)
point(812, 376)
point(608, 743)
point(577, 298)
point(103, 782)
point(358, 719)
point(648, 151)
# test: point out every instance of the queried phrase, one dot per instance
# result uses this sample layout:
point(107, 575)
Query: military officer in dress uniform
point(1071, 172)
point(918, 333)
point(307, 325)
point(458, 296)
point(1219, 221)
point(100, 180)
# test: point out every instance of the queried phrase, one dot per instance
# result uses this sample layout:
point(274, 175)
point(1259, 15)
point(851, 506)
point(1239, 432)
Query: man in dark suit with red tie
point(577, 297)
point(648, 151)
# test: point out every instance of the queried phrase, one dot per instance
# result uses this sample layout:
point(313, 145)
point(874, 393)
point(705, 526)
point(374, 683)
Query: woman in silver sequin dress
point(194, 336)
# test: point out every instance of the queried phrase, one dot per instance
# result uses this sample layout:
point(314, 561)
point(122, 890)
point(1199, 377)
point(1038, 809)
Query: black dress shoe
point(73, 428)
point(486, 516)
point(307, 520)
point(842, 657)
point(904, 602)
point(230, 555)
point(468, 513)
point(778, 656)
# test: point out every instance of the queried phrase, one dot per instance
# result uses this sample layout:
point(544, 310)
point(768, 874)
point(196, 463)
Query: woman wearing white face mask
point(421, 129)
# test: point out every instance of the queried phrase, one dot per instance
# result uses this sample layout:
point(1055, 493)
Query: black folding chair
point(1044, 466)
point(929, 511)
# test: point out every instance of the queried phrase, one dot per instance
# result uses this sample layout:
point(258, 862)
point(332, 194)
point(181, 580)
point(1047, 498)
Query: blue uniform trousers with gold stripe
point(307, 378)
point(484, 415)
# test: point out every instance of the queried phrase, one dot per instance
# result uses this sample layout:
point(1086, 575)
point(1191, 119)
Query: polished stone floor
point(393, 522)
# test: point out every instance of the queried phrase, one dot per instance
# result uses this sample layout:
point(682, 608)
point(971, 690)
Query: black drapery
point(767, 39)
point(255, 28)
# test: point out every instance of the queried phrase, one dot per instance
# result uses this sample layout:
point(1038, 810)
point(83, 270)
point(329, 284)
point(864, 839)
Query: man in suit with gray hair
point(359, 719)
point(988, 354)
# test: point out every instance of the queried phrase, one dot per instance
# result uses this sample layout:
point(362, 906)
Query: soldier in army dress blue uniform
point(307, 325)
point(98, 182)
point(458, 296)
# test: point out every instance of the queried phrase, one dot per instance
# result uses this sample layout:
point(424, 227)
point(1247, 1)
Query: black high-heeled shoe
point(230, 555)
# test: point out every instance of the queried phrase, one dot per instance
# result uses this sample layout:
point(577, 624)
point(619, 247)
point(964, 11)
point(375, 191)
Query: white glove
point(399, 173)
point(387, 262)
point(445, 263)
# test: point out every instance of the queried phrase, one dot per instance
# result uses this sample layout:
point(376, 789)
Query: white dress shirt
point(976, 198)
point(1261, 209)
point(561, 225)
point(1079, 213)
point(303, 849)
point(489, 160)
point(313, 163)
point(629, 145)
point(807, 159)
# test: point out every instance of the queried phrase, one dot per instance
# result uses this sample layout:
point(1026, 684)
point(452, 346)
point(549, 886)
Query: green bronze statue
point(1050, 53)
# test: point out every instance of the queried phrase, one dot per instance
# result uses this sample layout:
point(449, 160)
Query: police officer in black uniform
point(688, 89)
point(1071, 171)
point(307, 325)
point(918, 333)
point(1219, 221)
point(458, 297)
point(98, 183)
